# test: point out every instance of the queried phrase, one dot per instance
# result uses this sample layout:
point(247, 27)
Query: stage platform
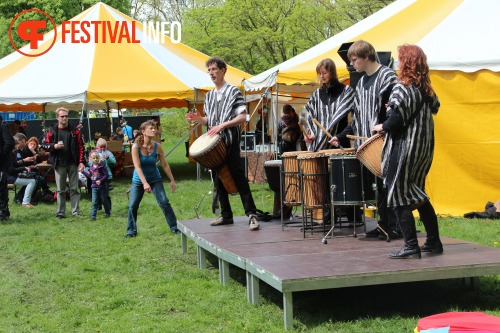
point(285, 260)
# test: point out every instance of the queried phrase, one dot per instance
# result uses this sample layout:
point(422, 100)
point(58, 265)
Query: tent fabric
point(100, 72)
point(458, 37)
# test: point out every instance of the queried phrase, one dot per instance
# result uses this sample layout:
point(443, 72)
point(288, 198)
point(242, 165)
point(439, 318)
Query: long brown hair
point(140, 138)
point(413, 68)
point(330, 67)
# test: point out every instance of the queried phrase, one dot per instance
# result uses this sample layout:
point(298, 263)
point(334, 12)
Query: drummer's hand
point(334, 141)
point(173, 186)
point(215, 130)
point(308, 138)
point(193, 116)
point(378, 128)
point(147, 187)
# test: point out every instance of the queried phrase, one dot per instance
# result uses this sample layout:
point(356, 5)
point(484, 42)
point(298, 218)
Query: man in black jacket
point(65, 144)
point(7, 143)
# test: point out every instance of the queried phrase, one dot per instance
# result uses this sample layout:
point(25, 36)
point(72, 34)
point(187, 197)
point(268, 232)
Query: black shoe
point(130, 235)
point(406, 253)
point(177, 232)
point(392, 234)
point(373, 233)
point(18, 202)
point(60, 216)
point(435, 247)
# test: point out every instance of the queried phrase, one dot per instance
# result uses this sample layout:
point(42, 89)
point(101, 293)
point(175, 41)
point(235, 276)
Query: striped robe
point(328, 114)
point(405, 169)
point(232, 104)
point(369, 102)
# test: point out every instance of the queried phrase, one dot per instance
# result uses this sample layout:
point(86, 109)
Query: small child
point(98, 174)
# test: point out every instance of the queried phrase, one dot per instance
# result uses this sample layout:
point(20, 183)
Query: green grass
point(74, 275)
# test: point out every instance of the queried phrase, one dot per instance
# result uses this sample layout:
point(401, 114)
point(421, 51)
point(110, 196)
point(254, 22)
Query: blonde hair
point(94, 153)
point(101, 143)
point(61, 109)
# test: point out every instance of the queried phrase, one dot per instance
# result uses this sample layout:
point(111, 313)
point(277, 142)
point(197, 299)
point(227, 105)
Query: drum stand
point(308, 211)
point(355, 205)
point(284, 206)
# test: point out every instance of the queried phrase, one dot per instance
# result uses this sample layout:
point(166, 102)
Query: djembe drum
point(313, 173)
point(370, 154)
point(210, 151)
point(291, 185)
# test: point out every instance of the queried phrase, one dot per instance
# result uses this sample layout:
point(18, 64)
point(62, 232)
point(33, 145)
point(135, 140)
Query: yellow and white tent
point(460, 40)
point(145, 74)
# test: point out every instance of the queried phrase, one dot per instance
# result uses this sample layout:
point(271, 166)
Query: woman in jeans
point(147, 178)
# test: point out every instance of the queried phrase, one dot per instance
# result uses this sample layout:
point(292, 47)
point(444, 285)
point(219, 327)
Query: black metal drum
point(351, 183)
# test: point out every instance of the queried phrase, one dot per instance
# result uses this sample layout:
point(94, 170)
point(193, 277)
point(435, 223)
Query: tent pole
point(275, 129)
point(198, 167)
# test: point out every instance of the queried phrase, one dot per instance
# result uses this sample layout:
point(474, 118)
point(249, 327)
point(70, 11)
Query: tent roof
point(455, 35)
point(100, 72)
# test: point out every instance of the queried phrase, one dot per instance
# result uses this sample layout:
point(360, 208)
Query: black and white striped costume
point(330, 107)
point(223, 105)
point(408, 150)
point(371, 94)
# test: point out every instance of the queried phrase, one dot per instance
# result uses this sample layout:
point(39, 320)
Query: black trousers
point(236, 168)
point(4, 196)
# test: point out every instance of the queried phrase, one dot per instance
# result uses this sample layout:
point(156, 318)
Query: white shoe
point(254, 222)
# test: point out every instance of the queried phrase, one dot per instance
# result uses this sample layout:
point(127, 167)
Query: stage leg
point(223, 272)
point(201, 254)
point(184, 243)
point(253, 294)
point(288, 309)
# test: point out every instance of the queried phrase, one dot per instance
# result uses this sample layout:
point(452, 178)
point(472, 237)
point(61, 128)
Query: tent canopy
point(455, 34)
point(131, 73)
point(458, 37)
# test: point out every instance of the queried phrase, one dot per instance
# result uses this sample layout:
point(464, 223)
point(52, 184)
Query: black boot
point(410, 250)
point(429, 219)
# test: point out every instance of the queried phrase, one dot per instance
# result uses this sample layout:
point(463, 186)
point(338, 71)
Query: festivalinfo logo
point(83, 32)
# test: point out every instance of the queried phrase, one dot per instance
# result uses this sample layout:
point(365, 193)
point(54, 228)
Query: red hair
point(413, 68)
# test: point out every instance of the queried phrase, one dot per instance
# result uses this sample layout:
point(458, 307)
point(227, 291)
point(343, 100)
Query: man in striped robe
point(372, 94)
point(225, 111)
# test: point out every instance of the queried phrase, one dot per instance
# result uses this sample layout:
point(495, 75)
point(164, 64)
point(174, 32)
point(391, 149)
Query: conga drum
point(210, 151)
point(314, 178)
point(370, 154)
point(291, 185)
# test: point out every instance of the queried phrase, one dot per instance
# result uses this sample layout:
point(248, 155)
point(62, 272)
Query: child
point(98, 174)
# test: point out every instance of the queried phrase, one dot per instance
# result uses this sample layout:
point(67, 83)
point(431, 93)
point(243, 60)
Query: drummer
point(225, 111)
point(372, 94)
point(329, 105)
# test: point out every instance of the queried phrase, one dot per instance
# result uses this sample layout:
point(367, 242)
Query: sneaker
point(177, 232)
point(221, 221)
point(60, 216)
point(254, 222)
point(130, 235)
point(107, 216)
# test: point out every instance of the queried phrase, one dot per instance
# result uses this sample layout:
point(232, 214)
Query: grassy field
point(74, 275)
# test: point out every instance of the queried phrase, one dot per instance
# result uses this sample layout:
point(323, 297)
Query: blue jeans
point(135, 197)
point(100, 197)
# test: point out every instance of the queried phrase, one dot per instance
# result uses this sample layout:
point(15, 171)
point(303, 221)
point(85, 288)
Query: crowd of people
point(400, 106)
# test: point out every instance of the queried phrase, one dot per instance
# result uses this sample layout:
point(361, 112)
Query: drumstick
point(303, 131)
point(356, 137)
point(322, 128)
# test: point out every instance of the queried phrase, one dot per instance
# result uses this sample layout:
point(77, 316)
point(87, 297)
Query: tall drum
point(272, 169)
point(314, 179)
point(210, 151)
point(291, 185)
point(346, 177)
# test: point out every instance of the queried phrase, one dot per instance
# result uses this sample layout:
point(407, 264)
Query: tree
point(255, 35)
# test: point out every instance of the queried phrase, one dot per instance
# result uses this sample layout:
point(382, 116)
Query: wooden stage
point(288, 262)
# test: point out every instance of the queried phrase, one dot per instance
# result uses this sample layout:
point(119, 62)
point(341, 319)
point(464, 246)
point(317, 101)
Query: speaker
point(384, 58)
point(247, 141)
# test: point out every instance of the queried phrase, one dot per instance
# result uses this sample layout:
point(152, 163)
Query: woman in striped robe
point(329, 105)
point(408, 151)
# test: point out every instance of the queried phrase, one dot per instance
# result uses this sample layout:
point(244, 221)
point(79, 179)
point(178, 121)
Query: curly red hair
point(413, 68)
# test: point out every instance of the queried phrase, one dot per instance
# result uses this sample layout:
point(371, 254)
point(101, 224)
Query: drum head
point(273, 163)
point(331, 152)
point(203, 143)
